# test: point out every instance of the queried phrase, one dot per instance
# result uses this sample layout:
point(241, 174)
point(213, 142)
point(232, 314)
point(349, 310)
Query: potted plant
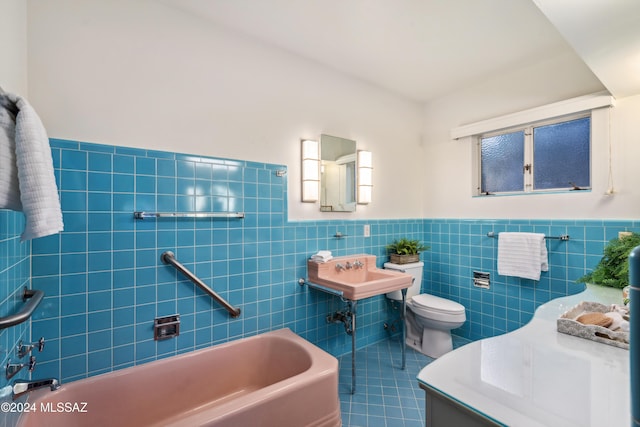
point(613, 268)
point(404, 251)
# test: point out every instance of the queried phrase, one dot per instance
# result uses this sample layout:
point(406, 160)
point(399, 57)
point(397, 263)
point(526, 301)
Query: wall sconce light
point(365, 177)
point(310, 171)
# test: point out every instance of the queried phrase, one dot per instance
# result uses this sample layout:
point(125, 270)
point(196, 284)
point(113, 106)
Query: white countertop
point(536, 376)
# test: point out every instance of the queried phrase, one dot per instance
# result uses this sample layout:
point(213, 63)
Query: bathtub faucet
point(21, 387)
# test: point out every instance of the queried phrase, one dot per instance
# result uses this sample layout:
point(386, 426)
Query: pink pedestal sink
point(357, 276)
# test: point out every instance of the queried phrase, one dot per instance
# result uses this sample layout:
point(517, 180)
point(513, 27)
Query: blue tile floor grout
point(386, 396)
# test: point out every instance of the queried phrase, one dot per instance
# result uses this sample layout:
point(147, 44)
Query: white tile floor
point(386, 396)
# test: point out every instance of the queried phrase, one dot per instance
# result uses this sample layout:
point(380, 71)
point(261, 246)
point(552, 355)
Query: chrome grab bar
point(34, 297)
point(168, 257)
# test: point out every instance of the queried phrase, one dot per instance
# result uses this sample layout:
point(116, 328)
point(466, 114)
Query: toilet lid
point(437, 304)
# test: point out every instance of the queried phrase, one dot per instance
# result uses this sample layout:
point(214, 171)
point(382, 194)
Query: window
point(549, 156)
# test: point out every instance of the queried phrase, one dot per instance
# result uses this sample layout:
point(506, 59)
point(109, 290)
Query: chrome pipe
point(168, 257)
point(353, 305)
point(403, 316)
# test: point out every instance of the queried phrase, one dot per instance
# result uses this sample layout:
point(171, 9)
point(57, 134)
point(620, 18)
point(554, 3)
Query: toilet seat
point(436, 308)
point(437, 304)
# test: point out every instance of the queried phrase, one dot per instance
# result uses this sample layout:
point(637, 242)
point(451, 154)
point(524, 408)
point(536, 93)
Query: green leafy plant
point(406, 246)
point(613, 268)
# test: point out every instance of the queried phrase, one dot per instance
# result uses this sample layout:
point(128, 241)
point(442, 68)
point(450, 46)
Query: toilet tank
point(415, 270)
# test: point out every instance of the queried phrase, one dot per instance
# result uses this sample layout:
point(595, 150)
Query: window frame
point(528, 178)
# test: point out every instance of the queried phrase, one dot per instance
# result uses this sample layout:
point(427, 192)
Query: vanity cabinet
point(444, 412)
point(532, 376)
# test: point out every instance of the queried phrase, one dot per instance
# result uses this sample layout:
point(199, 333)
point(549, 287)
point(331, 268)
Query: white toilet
point(429, 319)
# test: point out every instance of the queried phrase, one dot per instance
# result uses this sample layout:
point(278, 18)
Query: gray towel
point(27, 181)
point(9, 191)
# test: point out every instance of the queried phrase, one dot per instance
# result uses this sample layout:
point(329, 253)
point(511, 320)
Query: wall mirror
point(337, 174)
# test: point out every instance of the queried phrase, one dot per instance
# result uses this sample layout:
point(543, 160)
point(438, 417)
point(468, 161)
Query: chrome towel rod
point(34, 297)
point(302, 282)
point(563, 237)
point(168, 257)
point(143, 215)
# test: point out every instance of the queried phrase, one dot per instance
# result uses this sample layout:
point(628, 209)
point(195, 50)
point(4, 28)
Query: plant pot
point(404, 259)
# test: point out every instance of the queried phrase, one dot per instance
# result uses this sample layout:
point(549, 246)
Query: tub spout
point(21, 387)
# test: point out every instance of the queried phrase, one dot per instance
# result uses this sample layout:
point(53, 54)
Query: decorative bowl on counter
point(614, 334)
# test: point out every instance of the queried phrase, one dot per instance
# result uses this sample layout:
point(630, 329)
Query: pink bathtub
point(273, 379)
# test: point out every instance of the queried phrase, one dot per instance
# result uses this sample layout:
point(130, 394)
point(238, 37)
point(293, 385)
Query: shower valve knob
point(23, 349)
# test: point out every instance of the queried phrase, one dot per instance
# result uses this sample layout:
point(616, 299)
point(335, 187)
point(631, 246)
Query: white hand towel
point(522, 255)
point(322, 256)
point(33, 166)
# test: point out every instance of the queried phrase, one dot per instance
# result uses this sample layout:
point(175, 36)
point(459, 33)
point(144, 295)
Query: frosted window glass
point(561, 155)
point(502, 162)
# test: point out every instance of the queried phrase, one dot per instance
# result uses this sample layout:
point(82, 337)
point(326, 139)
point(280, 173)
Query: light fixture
point(310, 171)
point(365, 177)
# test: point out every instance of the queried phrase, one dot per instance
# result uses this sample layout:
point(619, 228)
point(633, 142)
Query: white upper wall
point(13, 45)
point(448, 189)
point(143, 75)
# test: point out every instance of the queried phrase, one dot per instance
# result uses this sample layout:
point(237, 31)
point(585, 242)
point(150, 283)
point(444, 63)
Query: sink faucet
point(21, 387)
point(358, 264)
point(339, 267)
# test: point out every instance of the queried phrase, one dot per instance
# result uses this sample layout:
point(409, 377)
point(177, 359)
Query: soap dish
point(568, 325)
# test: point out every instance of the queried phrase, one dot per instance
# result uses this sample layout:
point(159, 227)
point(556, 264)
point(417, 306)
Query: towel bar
point(302, 282)
point(563, 237)
point(143, 215)
point(34, 297)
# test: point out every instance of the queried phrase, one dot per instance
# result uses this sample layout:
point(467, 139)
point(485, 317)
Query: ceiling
point(605, 34)
point(424, 49)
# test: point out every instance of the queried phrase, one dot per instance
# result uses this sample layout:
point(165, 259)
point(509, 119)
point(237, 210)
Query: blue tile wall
point(105, 283)
point(459, 247)
point(15, 273)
